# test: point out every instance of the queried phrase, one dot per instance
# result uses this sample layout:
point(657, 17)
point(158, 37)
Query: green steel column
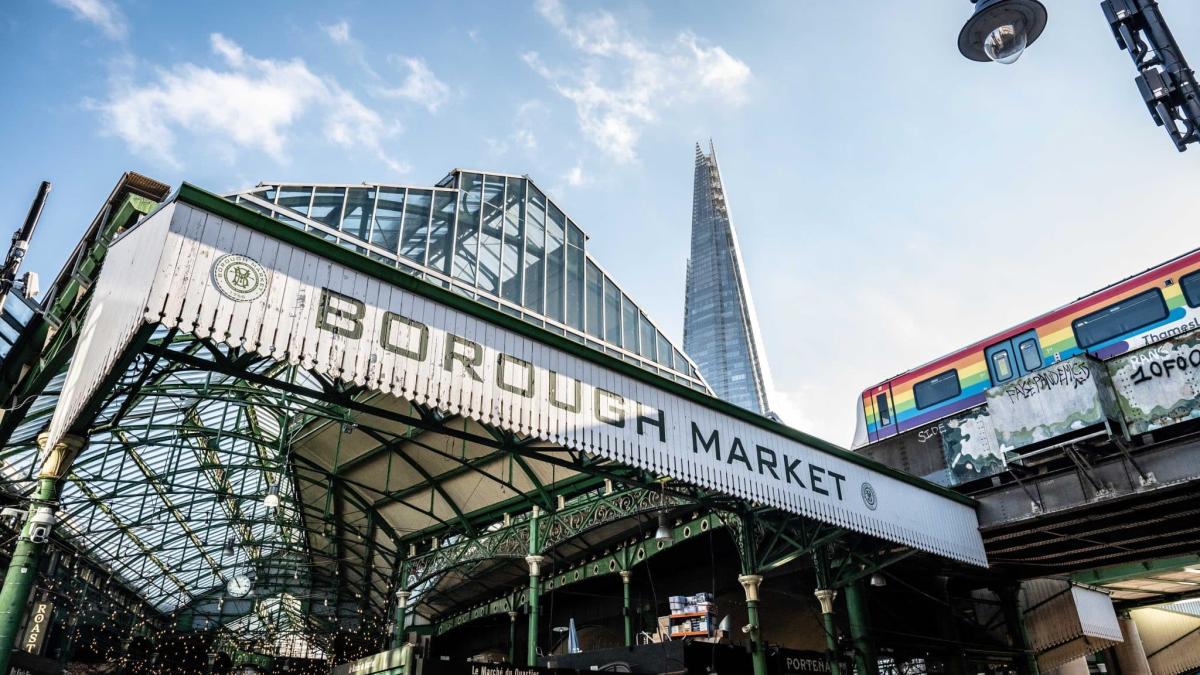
point(758, 655)
point(625, 577)
point(948, 630)
point(24, 565)
point(402, 597)
point(865, 660)
point(534, 560)
point(22, 570)
point(535, 565)
point(512, 638)
point(826, 596)
point(1010, 602)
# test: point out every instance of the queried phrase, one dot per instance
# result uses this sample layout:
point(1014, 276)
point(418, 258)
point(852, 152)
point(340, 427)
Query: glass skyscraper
point(720, 329)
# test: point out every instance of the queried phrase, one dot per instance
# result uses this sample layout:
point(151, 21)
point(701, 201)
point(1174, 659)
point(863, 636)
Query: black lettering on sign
point(389, 336)
point(837, 480)
point(789, 471)
point(814, 480)
point(660, 422)
point(573, 406)
point(737, 452)
point(469, 363)
point(771, 464)
point(340, 314)
point(525, 387)
point(613, 413)
point(712, 443)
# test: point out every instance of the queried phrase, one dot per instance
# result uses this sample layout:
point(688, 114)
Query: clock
point(238, 586)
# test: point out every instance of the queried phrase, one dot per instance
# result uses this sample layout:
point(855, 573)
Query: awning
point(214, 270)
point(1067, 621)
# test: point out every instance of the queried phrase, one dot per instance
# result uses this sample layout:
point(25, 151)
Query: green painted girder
point(624, 557)
point(434, 483)
point(1114, 573)
point(149, 555)
point(183, 522)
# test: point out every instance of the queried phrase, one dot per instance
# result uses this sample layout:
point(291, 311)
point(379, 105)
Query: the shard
point(720, 329)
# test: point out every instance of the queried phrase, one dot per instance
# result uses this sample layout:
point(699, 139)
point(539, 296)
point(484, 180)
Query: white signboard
point(207, 275)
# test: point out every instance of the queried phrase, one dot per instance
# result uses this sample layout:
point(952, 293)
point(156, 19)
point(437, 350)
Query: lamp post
point(1001, 30)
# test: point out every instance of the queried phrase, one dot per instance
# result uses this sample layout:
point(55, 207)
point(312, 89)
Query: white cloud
point(528, 116)
point(647, 78)
point(420, 85)
point(338, 32)
point(103, 13)
point(575, 176)
point(249, 104)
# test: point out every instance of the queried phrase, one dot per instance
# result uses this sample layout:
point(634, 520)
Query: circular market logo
point(239, 278)
point(869, 497)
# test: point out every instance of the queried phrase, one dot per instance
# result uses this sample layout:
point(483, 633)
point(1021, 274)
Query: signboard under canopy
point(207, 267)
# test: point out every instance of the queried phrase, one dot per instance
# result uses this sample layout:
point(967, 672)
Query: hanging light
point(726, 624)
point(878, 580)
point(663, 533)
point(228, 550)
point(271, 501)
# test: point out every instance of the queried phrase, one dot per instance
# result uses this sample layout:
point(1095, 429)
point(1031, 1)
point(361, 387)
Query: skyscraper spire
point(720, 329)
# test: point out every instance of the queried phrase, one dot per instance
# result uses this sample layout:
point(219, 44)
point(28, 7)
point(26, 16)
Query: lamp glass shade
point(663, 533)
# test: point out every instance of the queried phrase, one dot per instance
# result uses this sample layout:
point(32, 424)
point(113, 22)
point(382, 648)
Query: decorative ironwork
point(553, 529)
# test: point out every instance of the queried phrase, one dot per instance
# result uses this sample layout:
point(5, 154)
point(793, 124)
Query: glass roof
point(496, 238)
point(169, 494)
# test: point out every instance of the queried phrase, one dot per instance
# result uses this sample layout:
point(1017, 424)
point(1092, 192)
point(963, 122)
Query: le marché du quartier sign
point(220, 272)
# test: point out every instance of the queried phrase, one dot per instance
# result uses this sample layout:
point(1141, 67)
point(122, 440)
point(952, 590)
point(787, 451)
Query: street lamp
point(1000, 30)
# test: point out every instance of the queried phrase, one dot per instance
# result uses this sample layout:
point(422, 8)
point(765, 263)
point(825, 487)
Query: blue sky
point(894, 201)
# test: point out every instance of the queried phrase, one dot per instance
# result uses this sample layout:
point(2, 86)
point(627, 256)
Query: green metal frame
point(187, 435)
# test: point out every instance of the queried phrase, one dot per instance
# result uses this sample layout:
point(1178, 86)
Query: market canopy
point(226, 362)
point(203, 266)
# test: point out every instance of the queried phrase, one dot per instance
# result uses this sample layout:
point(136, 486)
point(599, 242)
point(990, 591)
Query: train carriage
point(899, 418)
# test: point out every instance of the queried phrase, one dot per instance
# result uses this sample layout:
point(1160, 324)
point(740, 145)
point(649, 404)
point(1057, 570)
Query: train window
point(1191, 288)
point(882, 411)
point(1001, 366)
point(1031, 355)
point(940, 387)
point(1126, 316)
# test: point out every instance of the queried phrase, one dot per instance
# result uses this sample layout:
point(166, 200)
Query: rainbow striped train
point(1119, 365)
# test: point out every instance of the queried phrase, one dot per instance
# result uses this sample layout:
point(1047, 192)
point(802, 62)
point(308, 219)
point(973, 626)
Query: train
point(1078, 371)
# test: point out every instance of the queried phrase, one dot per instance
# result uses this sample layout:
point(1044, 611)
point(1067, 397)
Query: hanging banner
point(252, 283)
point(39, 623)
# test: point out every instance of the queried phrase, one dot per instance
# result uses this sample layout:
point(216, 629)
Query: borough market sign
point(211, 268)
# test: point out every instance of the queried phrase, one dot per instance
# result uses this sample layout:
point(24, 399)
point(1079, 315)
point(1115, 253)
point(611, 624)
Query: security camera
point(40, 524)
point(747, 628)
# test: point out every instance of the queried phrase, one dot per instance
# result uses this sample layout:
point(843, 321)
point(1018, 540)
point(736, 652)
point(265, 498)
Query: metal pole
point(865, 660)
point(948, 627)
point(22, 570)
point(20, 242)
point(826, 596)
point(512, 638)
point(535, 562)
point(1167, 49)
point(402, 597)
point(1168, 86)
point(1010, 602)
point(758, 656)
point(625, 577)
